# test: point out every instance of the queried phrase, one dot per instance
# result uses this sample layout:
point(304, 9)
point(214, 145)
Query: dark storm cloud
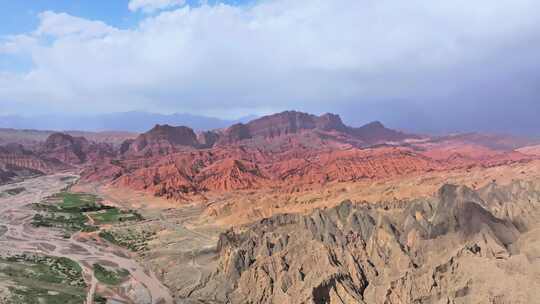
point(421, 65)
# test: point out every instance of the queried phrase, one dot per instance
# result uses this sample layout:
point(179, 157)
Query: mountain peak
point(375, 124)
point(163, 139)
point(330, 121)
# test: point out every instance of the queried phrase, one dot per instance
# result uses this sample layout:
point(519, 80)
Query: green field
point(78, 202)
point(43, 279)
point(114, 215)
point(72, 212)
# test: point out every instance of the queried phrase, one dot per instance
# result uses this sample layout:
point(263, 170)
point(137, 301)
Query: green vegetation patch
point(78, 202)
point(36, 295)
point(114, 215)
point(43, 279)
point(67, 221)
point(15, 191)
point(110, 276)
point(136, 241)
point(48, 269)
point(71, 212)
point(99, 299)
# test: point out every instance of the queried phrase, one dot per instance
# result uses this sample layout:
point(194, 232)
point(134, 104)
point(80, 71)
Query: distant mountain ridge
point(284, 150)
point(283, 128)
point(30, 138)
point(134, 121)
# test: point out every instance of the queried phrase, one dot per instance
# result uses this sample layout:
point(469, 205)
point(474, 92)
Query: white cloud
point(149, 6)
point(272, 55)
point(62, 24)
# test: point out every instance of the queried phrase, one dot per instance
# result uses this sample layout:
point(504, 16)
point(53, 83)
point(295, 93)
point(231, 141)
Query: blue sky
point(20, 16)
point(418, 64)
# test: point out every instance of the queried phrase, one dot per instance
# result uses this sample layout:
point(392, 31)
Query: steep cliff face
point(291, 122)
point(16, 161)
point(328, 125)
point(65, 148)
point(207, 139)
point(440, 250)
point(73, 150)
point(234, 134)
point(59, 152)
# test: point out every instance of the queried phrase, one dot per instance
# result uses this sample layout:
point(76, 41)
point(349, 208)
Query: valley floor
point(187, 253)
point(19, 238)
point(221, 248)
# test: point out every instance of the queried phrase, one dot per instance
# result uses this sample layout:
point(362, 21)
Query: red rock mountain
point(16, 162)
point(287, 151)
point(161, 140)
point(325, 126)
point(268, 132)
point(73, 150)
point(59, 152)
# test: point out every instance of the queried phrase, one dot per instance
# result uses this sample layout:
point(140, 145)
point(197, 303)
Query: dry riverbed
point(40, 264)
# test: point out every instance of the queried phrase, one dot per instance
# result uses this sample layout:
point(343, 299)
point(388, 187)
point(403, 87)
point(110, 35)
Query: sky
point(420, 65)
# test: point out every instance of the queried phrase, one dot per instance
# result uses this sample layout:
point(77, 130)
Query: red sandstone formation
point(16, 156)
point(183, 174)
point(287, 151)
point(59, 152)
point(162, 140)
point(73, 150)
point(325, 126)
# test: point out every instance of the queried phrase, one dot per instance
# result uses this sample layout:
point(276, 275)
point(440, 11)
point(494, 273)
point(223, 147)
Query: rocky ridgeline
point(59, 152)
point(289, 151)
point(448, 249)
point(165, 139)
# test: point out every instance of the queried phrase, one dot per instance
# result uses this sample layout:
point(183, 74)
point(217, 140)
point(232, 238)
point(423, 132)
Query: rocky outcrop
point(73, 150)
point(234, 134)
point(18, 161)
point(59, 152)
point(228, 169)
point(242, 168)
point(328, 125)
point(161, 140)
point(291, 122)
point(65, 148)
point(376, 133)
point(288, 151)
point(207, 139)
point(363, 253)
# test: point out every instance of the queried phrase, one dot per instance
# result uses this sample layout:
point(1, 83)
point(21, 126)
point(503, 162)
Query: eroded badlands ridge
point(289, 151)
point(460, 246)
